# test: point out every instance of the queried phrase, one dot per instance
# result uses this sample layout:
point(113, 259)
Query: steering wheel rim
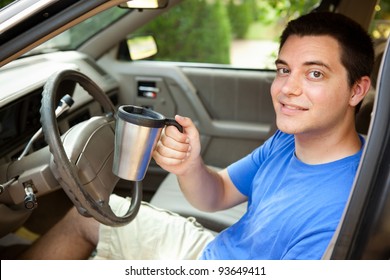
point(68, 175)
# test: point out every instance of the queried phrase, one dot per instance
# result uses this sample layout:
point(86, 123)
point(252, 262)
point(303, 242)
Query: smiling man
point(296, 184)
point(314, 100)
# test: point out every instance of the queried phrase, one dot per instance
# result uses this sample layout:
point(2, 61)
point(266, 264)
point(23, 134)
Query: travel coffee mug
point(137, 131)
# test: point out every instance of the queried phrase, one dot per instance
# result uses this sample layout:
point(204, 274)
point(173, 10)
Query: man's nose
point(292, 86)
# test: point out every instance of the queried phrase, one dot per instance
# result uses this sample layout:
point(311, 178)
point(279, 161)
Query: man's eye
point(282, 71)
point(315, 75)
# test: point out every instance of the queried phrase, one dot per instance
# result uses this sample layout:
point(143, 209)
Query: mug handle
point(174, 123)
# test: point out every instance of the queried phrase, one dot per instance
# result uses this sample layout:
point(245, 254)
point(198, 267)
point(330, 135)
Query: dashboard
point(21, 86)
point(18, 121)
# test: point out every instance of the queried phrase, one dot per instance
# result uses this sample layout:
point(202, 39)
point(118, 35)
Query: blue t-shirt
point(293, 208)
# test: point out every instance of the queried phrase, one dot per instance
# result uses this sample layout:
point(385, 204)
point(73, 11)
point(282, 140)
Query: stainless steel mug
point(137, 131)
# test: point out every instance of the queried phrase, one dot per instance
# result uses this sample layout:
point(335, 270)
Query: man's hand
point(178, 152)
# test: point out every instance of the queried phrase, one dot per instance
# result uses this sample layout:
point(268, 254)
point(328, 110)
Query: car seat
point(363, 116)
point(169, 196)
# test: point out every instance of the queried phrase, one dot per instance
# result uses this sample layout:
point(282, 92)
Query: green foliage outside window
point(194, 31)
point(4, 3)
point(241, 16)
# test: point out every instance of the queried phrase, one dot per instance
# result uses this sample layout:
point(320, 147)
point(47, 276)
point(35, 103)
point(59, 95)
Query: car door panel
point(232, 108)
point(237, 95)
point(239, 107)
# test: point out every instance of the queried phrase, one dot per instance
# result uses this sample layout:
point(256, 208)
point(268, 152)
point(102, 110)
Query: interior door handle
point(148, 91)
point(145, 88)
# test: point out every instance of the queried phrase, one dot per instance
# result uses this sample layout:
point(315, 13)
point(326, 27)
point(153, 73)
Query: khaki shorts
point(155, 234)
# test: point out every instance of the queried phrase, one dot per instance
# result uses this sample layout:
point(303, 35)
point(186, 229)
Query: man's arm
point(203, 187)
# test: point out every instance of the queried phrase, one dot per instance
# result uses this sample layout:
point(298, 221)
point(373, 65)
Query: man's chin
point(288, 129)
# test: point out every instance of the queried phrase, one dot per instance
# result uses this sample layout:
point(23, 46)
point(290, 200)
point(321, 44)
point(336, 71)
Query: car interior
point(231, 107)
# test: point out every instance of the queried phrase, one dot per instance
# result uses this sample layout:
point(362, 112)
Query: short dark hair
point(357, 51)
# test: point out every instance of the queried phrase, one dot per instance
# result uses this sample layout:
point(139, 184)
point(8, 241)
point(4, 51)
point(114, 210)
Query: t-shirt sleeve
point(244, 170)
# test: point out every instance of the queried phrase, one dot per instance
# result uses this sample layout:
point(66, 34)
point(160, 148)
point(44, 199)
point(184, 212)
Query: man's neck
point(314, 148)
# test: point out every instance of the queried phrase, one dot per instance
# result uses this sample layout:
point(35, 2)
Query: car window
point(74, 37)
point(380, 26)
point(4, 3)
point(238, 33)
point(380, 31)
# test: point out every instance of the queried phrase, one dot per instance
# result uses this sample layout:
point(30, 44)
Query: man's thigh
point(154, 234)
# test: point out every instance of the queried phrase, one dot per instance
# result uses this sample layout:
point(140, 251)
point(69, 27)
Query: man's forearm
point(202, 187)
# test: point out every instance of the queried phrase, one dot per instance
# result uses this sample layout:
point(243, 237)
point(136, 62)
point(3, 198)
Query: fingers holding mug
point(170, 152)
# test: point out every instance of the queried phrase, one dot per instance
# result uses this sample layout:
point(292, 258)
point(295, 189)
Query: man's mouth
point(293, 107)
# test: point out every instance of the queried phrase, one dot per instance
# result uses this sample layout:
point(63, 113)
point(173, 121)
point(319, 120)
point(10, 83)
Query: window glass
point(72, 38)
point(380, 27)
point(4, 3)
point(235, 32)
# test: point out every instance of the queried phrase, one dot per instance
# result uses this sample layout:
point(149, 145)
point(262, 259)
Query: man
point(296, 184)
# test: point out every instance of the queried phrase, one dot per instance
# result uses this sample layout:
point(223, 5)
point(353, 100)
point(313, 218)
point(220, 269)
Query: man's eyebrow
point(280, 61)
point(308, 63)
point(317, 63)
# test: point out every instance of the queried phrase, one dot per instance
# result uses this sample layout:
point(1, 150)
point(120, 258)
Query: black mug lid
point(141, 116)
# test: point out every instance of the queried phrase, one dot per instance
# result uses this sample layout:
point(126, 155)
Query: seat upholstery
point(169, 196)
point(363, 116)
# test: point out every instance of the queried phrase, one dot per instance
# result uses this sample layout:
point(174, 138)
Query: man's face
point(310, 92)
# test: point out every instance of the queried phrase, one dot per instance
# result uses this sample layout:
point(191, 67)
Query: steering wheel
point(90, 196)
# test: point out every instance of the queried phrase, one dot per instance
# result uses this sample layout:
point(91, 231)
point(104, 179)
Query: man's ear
point(359, 90)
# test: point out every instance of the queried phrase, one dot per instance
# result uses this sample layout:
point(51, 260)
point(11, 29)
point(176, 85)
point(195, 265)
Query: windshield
point(74, 37)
